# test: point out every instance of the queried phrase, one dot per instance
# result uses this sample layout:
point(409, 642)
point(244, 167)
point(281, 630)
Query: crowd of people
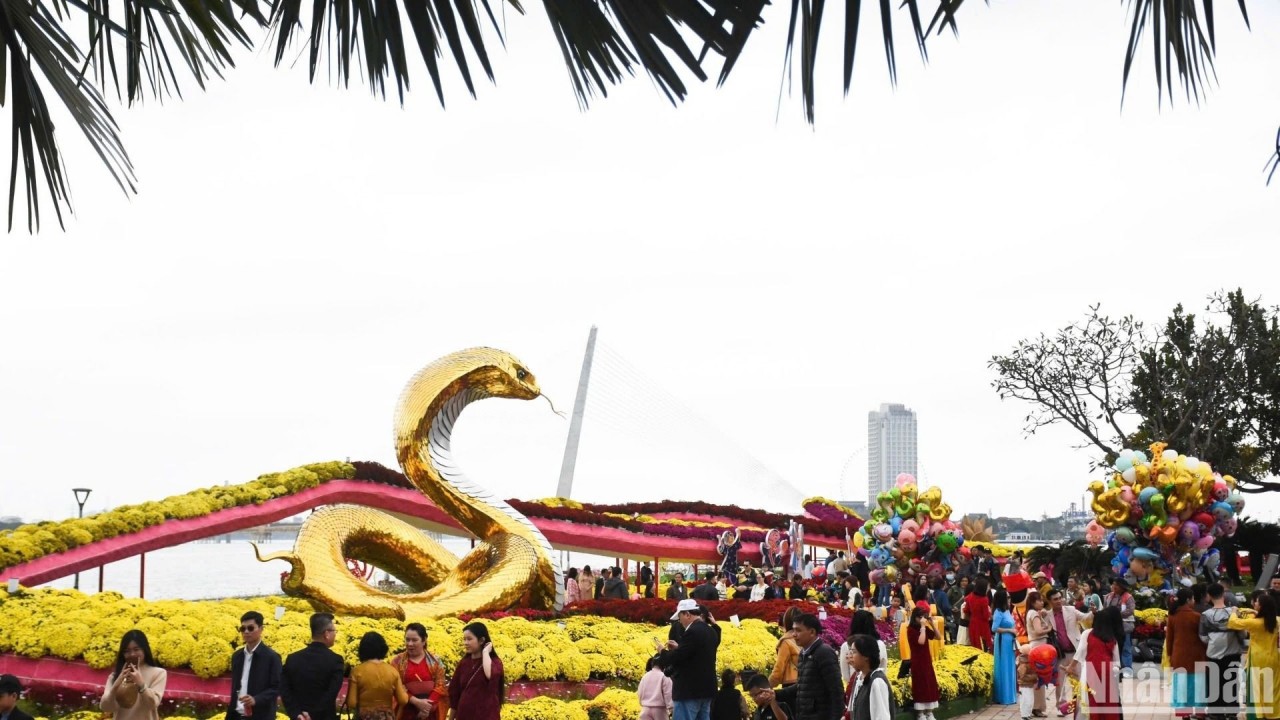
point(308, 684)
point(1040, 635)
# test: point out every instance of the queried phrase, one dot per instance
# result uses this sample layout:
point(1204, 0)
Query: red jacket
point(1182, 640)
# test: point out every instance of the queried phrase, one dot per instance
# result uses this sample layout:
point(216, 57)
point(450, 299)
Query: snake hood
point(425, 415)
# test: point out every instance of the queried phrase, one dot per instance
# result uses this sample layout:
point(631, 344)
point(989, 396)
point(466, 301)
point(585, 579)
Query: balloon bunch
point(1164, 513)
point(910, 533)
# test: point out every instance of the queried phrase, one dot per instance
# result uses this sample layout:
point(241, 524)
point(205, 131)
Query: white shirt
point(846, 669)
point(244, 678)
point(757, 592)
point(879, 697)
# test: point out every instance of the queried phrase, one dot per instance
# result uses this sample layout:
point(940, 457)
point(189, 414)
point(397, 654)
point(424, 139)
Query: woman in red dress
point(979, 609)
point(423, 675)
point(477, 688)
point(924, 684)
point(1101, 661)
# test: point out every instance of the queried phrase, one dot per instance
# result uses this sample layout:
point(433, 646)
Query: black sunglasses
point(248, 628)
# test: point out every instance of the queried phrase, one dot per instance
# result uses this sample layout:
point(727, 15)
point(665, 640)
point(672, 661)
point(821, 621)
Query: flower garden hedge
point(576, 647)
point(29, 542)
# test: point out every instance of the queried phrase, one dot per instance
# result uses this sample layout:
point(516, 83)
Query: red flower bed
point(593, 514)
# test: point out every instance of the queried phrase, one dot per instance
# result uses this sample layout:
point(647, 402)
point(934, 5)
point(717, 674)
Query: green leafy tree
point(75, 52)
point(1208, 386)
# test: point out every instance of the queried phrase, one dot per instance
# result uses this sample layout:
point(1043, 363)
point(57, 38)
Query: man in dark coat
point(312, 677)
point(677, 591)
point(255, 674)
point(707, 590)
point(818, 693)
point(615, 588)
point(10, 691)
point(691, 663)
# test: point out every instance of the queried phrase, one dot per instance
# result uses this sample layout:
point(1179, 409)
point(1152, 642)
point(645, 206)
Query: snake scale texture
point(510, 566)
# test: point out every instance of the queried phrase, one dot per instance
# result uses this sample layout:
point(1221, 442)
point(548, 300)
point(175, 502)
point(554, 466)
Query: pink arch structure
point(56, 675)
point(409, 505)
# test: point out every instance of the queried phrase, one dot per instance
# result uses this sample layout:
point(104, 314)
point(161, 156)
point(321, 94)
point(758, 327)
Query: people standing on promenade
point(1098, 661)
point(872, 697)
point(818, 693)
point(979, 609)
point(1120, 598)
point(1065, 620)
point(478, 688)
point(312, 677)
point(255, 673)
point(586, 584)
point(1263, 658)
point(10, 691)
point(729, 703)
point(787, 652)
point(376, 691)
point(572, 590)
point(654, 693)
point(422, 674)
point(598, 589)
point(1185, 652)
point(706, 591)
point(797, 591)
point(693, 660)
point(1089, 601)
point(924, 682)
point(136, 686)
point(1224, 648)
point(1004, 687)
point(677, 590)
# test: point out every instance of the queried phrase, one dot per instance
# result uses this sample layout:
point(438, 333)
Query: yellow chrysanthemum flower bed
point(1155, 617)
point(199, 635)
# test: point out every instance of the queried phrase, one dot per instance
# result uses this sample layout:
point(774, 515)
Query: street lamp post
point(82, 497)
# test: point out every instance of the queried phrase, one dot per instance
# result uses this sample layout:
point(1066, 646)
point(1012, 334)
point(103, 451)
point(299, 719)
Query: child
point(1027, 681)
point(654, 693)
point(895, 614)
point(1036, 670)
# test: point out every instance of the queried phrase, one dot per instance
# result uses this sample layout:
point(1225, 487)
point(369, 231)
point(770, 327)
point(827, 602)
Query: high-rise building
point(891, 447)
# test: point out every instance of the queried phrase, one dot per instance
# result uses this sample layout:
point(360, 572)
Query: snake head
point(501, 374)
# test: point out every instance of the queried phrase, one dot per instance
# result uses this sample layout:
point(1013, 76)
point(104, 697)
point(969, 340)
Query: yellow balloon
point(858, 540)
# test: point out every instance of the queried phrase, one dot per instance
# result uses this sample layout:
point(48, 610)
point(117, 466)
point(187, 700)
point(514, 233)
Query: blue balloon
point(896, 523)
point(1139, 457)
point(1145, 496)
point(1124, 462)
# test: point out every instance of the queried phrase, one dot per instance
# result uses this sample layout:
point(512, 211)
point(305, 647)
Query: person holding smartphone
point(136, 686)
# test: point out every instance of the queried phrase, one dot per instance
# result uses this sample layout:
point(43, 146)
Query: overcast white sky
point(296, 252)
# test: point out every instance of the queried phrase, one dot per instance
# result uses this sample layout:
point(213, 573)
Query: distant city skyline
point(891, 447)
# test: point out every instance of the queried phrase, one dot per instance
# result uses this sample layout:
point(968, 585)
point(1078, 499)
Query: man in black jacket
point(10, 691)
point(707, 590)
point(615, 588)
point(255, 674)
point(691, 663)
point(818, 693)
point(312, 676)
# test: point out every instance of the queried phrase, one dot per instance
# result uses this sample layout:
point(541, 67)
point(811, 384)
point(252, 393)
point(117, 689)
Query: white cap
point(688, 605)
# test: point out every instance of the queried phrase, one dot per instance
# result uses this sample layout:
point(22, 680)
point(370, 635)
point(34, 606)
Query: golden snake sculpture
point(511, 565)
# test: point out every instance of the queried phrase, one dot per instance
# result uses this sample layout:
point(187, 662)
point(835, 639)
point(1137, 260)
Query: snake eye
point(521, 373)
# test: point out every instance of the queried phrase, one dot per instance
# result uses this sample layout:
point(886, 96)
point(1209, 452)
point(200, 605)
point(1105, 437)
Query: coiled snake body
point(510, 565)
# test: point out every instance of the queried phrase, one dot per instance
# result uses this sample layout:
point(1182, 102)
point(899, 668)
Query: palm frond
point(1182, 50)
point(34, 39)
point(161, 36)
point(806, 20)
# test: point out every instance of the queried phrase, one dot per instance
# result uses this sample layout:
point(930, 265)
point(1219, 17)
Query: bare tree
point(1080, 376)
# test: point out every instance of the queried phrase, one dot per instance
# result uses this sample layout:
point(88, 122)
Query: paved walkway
point(1145, 697)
